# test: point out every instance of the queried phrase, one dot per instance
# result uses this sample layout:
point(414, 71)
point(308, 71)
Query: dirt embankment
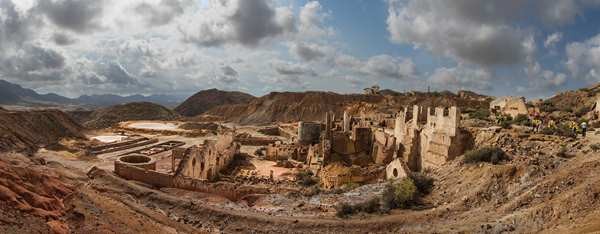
point(110, 116)
point(27, 130)
point(312, 106)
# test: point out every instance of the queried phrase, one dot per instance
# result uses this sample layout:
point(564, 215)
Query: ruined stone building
point(440, 138)
point(430, 144)
point(317, 155)
point(207, 160)
point(512, 106)
point(284, 151)
point(308, 132)
point(191, 167)
point(407, 132)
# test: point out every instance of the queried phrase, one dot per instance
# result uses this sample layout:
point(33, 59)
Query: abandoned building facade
point(512, 106)
point(432, 143)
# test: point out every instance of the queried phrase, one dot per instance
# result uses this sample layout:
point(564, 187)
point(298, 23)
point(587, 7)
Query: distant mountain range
point(13, 94)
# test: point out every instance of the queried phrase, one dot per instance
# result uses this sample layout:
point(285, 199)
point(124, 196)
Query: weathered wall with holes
point(207, 160)
point(431, 144)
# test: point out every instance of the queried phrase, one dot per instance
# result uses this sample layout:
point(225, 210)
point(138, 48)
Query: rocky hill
point(27, 130)
point(578, 101)
point(207, 99)
point(312, 106)
point(109, 116)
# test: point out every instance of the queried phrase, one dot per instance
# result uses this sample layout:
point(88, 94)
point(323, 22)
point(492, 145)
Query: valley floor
point(536, 191)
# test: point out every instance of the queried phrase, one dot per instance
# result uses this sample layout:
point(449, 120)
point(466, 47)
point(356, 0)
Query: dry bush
point(493, 155)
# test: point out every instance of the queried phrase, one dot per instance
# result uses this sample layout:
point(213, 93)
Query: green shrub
point(560, 130)
point(595, 147)
point(491, 155)
point(305, 178)
point(422, 181)
point(344, 210)
point(399, 195)
point(547, 106)
point(563, 153)
point(581, 111)
point(482, 113)
point(506, 124)
point(349, 186)
point(521, 119)
point(370, 206)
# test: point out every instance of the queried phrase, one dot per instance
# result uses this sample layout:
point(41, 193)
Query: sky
point(497, 47)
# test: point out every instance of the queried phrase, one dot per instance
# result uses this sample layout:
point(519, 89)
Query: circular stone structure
point(136, 160)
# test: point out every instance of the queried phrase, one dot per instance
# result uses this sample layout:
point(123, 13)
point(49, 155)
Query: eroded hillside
point(312, 106)
point(26, 130)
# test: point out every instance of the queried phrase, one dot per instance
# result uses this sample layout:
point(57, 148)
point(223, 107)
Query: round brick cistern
point(136, 160)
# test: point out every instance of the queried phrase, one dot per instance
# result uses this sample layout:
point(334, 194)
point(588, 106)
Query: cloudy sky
point(498, 47)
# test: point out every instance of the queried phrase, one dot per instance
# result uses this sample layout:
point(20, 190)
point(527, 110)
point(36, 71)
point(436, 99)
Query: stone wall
point(255, 141)
point(362, 138)
point(207, 160)
point(150, 177)
point(309, 132)
point(280, 151)
point(159, 179)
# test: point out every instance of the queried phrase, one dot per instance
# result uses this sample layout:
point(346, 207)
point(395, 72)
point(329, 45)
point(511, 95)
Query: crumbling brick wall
point(207, 160)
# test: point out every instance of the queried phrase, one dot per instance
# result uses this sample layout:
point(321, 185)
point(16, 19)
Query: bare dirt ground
point(536, 191)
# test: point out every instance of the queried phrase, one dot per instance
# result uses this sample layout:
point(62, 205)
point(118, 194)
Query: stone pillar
point(327, 122)
point(346, 122)
point(415, 116)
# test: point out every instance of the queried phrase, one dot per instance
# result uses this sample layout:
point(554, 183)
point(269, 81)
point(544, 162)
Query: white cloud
point(308, 51)
point(245, 22)
point(390, 67)
point(461, 78)
point(470, 31)
point(552, 39)
point(311, 21)
point(583, 59)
